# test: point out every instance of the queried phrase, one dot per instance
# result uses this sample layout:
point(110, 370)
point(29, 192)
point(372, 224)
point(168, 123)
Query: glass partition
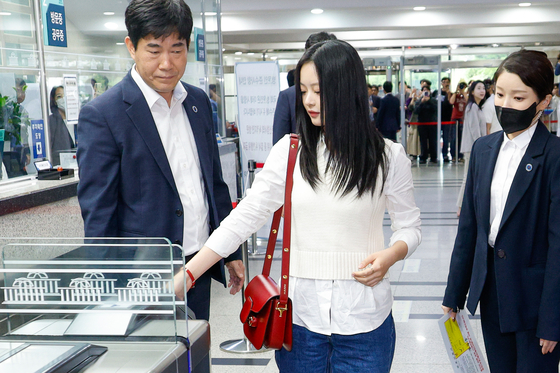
point(20, 100)
point(95, 56)
point(90, 289)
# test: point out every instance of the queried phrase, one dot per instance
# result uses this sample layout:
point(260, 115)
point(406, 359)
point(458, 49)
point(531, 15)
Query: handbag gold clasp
point(281, 309)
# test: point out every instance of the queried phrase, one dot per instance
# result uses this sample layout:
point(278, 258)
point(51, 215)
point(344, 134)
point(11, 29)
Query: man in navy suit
point(389, 114)
point(285, 113)
point(149, 162)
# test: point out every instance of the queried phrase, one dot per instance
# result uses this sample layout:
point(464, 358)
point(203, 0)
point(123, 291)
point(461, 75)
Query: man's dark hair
point(426, 81)
point(317, 38)
point(158, 18)
point(445, 78)
point(388, 87)
point(212, 87)
point(555, 85)
point(291, 77)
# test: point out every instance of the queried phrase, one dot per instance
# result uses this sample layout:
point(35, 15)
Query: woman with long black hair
point(346, 176)
point(507, 250)
point(474, 126)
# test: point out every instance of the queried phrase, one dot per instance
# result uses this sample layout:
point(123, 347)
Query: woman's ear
point(544, 103)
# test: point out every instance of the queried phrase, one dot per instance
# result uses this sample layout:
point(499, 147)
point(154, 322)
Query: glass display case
point(107, 298)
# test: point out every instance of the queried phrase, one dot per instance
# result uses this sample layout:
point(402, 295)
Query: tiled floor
point(418, 285)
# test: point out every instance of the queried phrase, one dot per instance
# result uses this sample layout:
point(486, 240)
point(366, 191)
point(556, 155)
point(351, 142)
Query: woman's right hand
point(446, 310)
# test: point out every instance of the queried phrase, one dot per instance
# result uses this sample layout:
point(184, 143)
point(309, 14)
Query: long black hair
point(471, 99)
point(356, 148)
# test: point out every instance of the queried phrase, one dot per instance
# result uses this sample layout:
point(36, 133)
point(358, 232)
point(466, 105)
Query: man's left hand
point(236, 275)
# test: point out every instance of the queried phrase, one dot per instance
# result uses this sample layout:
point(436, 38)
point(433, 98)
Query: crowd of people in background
point(459, 117)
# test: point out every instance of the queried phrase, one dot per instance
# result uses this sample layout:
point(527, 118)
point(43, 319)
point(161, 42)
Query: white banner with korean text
point(258, 86)
point(257, 92)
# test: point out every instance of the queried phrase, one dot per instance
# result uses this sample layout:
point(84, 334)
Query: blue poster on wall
point(1, 150)
point(38, 136)
point(54, 34)
point(200, 44)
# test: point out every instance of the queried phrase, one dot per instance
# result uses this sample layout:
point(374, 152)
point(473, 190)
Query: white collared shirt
point(177, 137)
point(509, 158)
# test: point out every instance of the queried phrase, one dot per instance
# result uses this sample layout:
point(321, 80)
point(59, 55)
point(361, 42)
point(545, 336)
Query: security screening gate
point(399, 69)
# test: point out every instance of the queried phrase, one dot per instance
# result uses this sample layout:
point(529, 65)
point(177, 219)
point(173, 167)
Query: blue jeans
point(317, 353)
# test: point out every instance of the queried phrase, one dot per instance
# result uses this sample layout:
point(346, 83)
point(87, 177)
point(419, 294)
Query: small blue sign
point(1, 149)
point(55, 20)
point(200, 44)
point(38, 135)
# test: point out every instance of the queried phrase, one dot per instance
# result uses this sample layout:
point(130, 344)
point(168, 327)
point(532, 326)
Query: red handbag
point(267, 311)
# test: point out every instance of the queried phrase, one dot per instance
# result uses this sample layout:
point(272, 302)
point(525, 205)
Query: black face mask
point(513, 120)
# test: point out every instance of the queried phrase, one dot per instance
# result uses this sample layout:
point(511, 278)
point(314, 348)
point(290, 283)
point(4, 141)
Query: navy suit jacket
point(528, 272)
point(126, 187)
point(389, 114)
point(285, 114)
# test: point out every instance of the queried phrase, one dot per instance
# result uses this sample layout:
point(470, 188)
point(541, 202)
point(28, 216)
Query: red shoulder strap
point(287, 225)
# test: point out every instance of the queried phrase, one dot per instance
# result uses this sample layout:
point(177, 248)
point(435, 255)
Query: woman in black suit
point(59, 137)
point(507, 250)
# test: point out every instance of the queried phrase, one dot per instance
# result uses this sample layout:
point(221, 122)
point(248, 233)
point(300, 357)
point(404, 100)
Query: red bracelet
point(191, 276)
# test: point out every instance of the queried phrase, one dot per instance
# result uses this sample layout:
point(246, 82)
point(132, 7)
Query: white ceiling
point(268, 24)
point(259, 25)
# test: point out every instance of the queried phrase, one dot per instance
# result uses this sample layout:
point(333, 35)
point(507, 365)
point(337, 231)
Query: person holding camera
point(447, 130)
point(459, 101)
point(426, 108)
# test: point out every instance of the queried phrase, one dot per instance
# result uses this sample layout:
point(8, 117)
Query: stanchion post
point(252, 167)
point(457, 140)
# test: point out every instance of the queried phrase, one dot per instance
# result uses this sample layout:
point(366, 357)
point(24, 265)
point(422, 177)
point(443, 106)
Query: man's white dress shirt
point(177, 137)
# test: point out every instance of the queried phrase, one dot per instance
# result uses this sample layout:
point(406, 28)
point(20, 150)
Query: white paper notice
point(461, 345)
point(257, 93)
point(72, 97)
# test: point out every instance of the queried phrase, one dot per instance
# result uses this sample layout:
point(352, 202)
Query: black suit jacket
point(285, 114)
point(59, 137)
point(389, 114)
point(126, 186)
point(528, 269)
